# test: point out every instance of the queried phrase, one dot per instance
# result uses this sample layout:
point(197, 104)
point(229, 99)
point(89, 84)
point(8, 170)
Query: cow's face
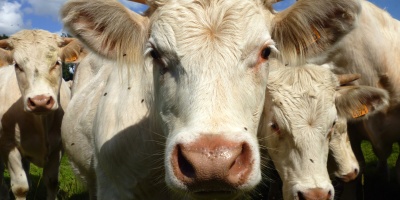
point(36, 56)
point(306, 103)
point(342, 162)
point(210, 73)
point(303, 114)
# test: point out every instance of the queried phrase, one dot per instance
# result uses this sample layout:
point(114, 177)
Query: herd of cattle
point(199, 99)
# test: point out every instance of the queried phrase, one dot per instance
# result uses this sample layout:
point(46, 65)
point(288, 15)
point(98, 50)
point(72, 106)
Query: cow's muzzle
point(212, 164)
point(40, 104)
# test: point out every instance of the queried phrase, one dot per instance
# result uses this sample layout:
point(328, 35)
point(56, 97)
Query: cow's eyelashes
point(16, 65)
point(157, 58)
point(163, 70)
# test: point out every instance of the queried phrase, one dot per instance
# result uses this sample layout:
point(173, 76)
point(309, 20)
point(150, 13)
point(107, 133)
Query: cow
point(33, 97)
point(342, 162)
point(91, 64)
point(184, 99)
point(89, 80)
point(300, 115)
point(370, 49)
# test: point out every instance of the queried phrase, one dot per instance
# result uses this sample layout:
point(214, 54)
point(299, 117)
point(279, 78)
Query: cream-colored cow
point(184, 100)
point(301, 110)
point(371, 49)
point(33, 97)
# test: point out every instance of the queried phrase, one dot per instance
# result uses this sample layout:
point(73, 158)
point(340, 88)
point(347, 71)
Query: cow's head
point(342, 162)
point(306, 103)
point(210, 61)
point(37, 56)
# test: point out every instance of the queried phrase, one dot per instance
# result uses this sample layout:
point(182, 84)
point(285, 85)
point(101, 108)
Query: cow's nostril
point(300, 196)
point(184, 165)
point(212, 161)
point(40, 103)
point(242, 162)
point(30, 102)
point(356, 171)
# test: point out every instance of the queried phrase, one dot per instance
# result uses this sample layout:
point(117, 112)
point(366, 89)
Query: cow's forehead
point(35, 45)
point(235, 24)
point(303, 95)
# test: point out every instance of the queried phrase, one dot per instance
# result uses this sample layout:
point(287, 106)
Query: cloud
point(11, 17)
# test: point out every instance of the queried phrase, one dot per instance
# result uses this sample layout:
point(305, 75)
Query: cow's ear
point(107, 28)
point(309, 27)
point(356, 102)
point(5, 53)
point(73, 51)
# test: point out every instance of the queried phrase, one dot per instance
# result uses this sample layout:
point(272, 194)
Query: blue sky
point(43, 14)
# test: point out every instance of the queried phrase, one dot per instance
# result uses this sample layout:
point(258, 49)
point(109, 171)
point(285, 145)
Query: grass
point(71, 188)
point(375, 186)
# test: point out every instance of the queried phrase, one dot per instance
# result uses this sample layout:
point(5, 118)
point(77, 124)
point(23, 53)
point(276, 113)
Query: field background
point(71, 188)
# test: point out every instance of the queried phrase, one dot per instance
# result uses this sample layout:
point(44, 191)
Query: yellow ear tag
point(71, 59)
point(360, 112)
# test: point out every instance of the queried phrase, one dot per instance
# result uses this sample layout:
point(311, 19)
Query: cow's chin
point(40, 111)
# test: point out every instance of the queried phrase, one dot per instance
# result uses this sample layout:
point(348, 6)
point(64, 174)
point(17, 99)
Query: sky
point(44, 14)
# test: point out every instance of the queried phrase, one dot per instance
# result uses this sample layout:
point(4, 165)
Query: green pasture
point(71, 189)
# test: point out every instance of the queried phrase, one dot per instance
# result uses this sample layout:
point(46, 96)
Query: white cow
point(90, 79)
point(185, 101)
point(371, 49)
point(33, 97)
point(342, 162)
point(299, 121)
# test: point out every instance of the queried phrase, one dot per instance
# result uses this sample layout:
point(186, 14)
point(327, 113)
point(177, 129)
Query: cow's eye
point(56, 65)
point(155, 55)
point(265, 53)
point(17, 67)
point(163, 70)
point(157, 58)
point(275, 127)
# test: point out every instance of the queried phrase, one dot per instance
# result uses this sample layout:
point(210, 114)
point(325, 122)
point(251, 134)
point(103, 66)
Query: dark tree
point(67, 75)
point(4, 36)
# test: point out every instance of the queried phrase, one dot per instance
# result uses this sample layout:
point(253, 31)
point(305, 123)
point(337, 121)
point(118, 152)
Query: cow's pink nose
point(315, 194)
point(40, 103)
point(350, 176)
point(212, 164)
